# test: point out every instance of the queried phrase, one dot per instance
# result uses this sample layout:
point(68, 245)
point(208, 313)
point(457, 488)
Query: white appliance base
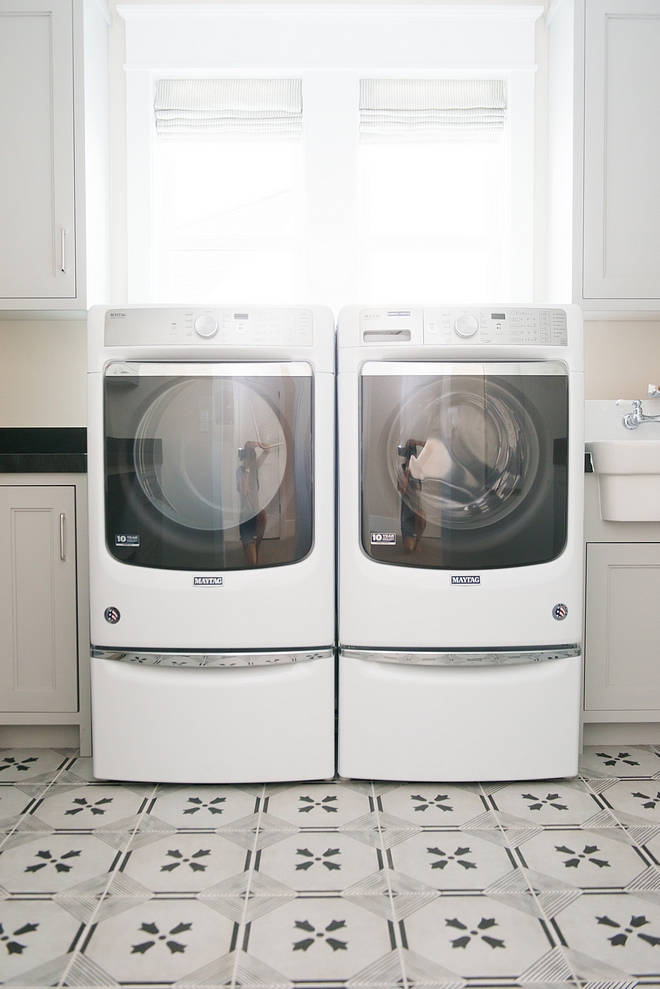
point(441, 724)
point(255, 725)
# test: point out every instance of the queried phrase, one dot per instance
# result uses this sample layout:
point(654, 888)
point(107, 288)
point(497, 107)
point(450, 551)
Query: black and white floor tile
point(330, 885)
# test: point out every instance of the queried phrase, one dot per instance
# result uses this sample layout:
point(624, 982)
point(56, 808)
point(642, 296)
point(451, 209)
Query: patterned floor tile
point(54, 863)
point(584, 858)
point(80, 768)
point(13, 804)
point(620, 761)
point(159, 941)
point(447, 861)
point(636, 799)
point(184, 863)
point(477, 937)
point(565, 802)
point(32, 933)
point(327, 861)
point(430, 805)
point(318, 805)
point(319, 939)
point(204, 807)
point(618, 929)
point(17, 765)
point(85, 808)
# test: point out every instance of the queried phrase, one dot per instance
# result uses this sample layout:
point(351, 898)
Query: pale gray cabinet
point(622, 636)
point(37, 164)
point(38, 626)
point(54, 162)
point(604, 147)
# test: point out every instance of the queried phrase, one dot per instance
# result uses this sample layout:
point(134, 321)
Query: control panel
point(507, 327)
point(190, 326)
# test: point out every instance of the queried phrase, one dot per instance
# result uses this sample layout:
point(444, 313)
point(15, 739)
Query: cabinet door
point(38, 642)
point(622, 150)
point(622, 646)
point(37, 248)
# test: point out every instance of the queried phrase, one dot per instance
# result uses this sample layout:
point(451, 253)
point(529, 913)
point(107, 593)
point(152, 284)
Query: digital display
point(498, 315)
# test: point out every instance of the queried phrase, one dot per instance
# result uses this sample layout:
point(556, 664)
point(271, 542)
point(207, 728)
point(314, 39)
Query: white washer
point(211, 508)
point(461, 459)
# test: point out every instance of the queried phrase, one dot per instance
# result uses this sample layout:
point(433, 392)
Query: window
point(359, 204)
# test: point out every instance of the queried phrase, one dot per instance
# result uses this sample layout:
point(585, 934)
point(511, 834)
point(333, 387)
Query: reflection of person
point(253, 526)
point(413, 516)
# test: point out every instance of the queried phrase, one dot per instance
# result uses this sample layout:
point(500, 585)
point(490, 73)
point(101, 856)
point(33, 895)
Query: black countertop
point(43, 451)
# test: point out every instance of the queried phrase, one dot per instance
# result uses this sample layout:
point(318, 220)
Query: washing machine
point(212, 542)
point(460, 541)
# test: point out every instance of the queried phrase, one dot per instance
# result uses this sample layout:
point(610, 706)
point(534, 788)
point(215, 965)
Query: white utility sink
point(627, 461)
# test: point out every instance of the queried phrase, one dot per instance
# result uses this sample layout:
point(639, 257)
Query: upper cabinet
point(54, 167)
point(604, 149)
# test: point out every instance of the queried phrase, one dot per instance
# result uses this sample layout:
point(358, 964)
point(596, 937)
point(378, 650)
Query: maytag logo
point(475, 579)
point(208, 581)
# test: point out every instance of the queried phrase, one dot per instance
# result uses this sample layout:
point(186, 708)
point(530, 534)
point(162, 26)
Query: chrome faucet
point(637, 416)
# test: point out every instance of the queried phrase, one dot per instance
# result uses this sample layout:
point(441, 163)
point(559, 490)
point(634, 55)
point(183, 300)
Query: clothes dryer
point(211, 452)
point(460, 541)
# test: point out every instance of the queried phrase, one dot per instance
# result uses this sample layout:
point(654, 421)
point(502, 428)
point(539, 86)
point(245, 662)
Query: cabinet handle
point(62, 549)
point(63, 246)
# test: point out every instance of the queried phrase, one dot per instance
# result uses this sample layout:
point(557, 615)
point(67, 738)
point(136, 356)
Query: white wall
point(42, 363)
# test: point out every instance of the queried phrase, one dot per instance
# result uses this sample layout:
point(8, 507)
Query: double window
point(332, 179)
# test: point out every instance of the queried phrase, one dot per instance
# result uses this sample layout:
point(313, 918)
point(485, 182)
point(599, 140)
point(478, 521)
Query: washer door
point(208, 466)
point(464, 465)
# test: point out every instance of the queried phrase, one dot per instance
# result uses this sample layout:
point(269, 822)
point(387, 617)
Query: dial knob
point(466, 326)
point(206, 325)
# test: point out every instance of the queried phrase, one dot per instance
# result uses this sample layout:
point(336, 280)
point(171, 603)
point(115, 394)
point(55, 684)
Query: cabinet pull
point(63, 247)
point(62, 549)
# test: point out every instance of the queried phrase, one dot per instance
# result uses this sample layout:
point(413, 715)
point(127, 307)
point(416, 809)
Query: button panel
point(506, 327)
point(209, 327)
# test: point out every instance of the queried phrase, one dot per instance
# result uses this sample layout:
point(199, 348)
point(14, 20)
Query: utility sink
point(627, 461)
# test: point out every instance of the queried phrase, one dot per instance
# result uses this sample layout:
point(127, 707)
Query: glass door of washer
point(464, 465)
point(208, 466)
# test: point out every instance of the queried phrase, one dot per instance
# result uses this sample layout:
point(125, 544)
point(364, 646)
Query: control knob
point(206, 325)
point(466, 326)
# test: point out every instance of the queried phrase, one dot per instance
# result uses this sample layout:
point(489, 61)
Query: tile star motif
point(102, 898)
point(246, 896)
point(404, 967)
point(141, 829)
point(378, 829)
point(551, 969)
point(238, 968)
point(257, 831)
point(513, 890)
point(78, 970)
point(390, 894)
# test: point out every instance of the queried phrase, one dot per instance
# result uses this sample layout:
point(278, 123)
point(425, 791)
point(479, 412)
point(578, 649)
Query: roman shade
point(429, 111)
point(231, 110)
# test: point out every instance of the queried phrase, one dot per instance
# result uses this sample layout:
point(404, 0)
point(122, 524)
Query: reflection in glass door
point(464, 465)
point(208, 466)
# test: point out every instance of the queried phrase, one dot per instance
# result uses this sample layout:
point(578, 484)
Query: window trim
point(349, 41)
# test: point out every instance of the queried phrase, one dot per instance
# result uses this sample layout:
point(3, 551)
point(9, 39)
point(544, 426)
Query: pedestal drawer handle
point(62, 549)
point(63, 248)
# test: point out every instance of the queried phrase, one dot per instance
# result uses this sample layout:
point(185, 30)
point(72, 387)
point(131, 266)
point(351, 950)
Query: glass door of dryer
point(464, 465)
point(208, 466)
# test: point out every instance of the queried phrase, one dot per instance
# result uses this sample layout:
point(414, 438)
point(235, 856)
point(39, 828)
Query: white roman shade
point(429, 111)
point(231, 110)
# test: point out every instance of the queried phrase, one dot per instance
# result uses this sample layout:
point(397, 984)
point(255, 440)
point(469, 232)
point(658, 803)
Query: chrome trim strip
point(470, 366)
point(215, 659)
point(209, 369)
point(494, 657)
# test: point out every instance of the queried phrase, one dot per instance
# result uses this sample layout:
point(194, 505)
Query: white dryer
point(460, 541)
point(211, 507)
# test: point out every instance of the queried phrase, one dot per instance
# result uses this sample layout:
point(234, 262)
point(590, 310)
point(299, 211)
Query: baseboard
point(622, 733)
point(39, 736)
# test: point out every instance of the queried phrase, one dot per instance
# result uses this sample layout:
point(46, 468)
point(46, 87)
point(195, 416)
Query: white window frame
point(347, 42)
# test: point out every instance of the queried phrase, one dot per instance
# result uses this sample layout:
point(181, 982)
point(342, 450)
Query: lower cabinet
point(622, 635)
point(44, 643)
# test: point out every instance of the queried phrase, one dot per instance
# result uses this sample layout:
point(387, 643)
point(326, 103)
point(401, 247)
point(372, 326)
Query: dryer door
point(208, 466)
point(464, 465)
